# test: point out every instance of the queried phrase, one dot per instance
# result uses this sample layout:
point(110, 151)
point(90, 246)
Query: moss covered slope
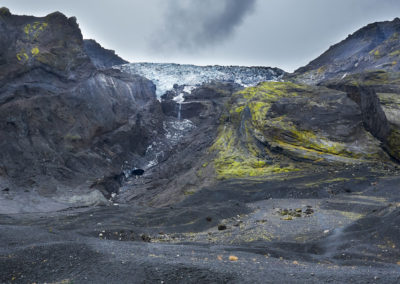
point(280, 127)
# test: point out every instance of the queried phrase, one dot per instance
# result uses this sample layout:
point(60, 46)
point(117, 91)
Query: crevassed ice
point(165, 75)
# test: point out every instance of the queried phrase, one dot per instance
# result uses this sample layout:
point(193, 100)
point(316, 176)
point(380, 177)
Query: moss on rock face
point(35, 51)
point(237, 151)
point(395, 53)
point(260, 98)
point(266, 126)
point(32, 31)
point(235, 159)
point(393, 142)
point(22, 56)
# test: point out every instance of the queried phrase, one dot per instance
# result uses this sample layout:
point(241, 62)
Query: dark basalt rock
point(374, 47)
point(101, 58)
point(367, 90)
point(374, 118)
point(63, 122)
point(199, 102)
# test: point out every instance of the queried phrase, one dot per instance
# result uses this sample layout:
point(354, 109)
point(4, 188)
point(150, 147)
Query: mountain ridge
point(373, 47)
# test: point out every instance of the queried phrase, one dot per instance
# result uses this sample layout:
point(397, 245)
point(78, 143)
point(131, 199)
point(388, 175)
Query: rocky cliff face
point(365, 66)
point(101, 58)
point(374, 47)
point(67, 128)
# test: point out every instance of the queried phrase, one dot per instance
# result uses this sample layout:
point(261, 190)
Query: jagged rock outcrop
point(101, 57)
point(374, 47)
point(377, 94)
point(66, 127)
point(275, 127)
point(366, 67)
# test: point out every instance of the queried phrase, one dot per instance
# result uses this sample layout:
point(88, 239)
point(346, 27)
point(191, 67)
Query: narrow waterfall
point(179, 111)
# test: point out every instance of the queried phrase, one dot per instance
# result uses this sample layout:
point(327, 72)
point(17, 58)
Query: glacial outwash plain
point(118, 172)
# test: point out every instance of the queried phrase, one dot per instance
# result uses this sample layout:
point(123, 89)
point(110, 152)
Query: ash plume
point(190, 25)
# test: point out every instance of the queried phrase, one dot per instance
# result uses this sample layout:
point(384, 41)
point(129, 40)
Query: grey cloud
point(189, 25)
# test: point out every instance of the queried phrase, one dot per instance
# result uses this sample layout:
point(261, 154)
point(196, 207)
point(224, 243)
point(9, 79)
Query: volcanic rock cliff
point(365, 66)
point(101, 57)
point(65, 125)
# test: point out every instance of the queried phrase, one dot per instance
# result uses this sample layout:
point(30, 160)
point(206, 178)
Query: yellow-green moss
point(270, 91)
point(27, 29)
point(35, 51)
point(393, 142)
point(237, 149)
point(395, 53)
point(235, 161)
point(22, 56)
point(376, 53)
point(321, 70)
point(309, 140)
point(34, 30)
point(327, 181)
point(260, 98)
point(73, 137)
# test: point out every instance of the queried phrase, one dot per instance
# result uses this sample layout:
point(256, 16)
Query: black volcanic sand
point(341, 226)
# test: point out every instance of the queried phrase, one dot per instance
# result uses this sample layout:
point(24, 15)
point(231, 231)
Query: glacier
point(166, 75)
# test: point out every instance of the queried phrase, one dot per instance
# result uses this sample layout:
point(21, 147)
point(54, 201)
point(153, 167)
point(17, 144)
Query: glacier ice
point(166, 75)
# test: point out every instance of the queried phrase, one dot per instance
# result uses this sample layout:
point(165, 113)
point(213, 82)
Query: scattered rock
point(222, 227)
point(295, 213)
point(146, 238)
point(209, 219)
point(309, 211)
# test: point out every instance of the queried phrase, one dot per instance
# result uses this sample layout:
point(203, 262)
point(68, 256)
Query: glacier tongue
point(165, 75)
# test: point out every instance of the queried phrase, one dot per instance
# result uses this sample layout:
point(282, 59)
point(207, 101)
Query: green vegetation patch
point(395, 53)
point(393, 142)
point(35, 51)
point(260, 98)
point(32, 31)
point(236, 151)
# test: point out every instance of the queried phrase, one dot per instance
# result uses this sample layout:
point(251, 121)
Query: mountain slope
point(66, 127)
point(374, 47)
point(101, 57)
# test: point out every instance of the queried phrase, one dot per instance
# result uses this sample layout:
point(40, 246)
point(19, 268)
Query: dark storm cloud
point(190, 25)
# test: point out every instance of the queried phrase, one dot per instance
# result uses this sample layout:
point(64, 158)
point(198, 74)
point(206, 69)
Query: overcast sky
point(279, 33)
